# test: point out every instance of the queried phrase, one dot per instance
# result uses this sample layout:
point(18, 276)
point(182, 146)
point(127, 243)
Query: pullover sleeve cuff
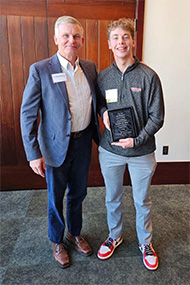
point(102, 110)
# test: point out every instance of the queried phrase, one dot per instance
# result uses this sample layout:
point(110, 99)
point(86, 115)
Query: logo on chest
point(135, 89)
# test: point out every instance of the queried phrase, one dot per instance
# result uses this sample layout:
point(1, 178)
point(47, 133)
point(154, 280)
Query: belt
point(76, 135)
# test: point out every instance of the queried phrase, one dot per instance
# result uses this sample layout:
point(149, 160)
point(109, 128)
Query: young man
point(129, 83)
point(63, 89)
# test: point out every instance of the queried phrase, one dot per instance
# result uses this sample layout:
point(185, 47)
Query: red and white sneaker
point(107, 248)
point(150, 258)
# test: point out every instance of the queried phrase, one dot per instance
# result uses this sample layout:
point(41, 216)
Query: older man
point(63, 89)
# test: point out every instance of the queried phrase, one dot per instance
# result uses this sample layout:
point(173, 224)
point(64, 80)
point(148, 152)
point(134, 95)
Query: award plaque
point(122, 123)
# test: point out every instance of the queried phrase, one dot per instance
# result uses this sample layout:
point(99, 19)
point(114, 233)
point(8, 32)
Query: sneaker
point(150, 258)
point(107, 248)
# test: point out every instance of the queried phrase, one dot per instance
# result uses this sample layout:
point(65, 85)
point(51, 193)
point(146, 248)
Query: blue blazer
point(50, 100)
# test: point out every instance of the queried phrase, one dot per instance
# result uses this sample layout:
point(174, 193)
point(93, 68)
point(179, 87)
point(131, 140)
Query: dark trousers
point(71, 175)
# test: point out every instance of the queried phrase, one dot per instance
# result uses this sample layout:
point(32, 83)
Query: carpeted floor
point(26, 253)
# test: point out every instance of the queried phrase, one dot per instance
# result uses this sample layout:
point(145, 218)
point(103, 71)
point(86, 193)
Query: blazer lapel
point(55, 67)
point(87, 73)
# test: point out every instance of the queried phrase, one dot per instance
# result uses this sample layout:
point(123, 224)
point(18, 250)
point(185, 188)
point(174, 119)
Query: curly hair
point(123, 23)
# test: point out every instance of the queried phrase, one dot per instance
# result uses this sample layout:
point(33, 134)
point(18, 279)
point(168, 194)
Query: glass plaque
point(122, 124)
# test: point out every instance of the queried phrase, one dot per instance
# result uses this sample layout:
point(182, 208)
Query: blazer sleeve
point(29, 114)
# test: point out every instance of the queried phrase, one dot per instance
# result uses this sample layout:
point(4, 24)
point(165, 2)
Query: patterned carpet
point(26, 253)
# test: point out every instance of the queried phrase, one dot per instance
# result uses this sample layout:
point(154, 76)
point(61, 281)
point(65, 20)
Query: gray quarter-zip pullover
point(140, 87)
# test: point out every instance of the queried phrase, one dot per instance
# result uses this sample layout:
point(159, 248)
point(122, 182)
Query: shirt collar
point(66, 64)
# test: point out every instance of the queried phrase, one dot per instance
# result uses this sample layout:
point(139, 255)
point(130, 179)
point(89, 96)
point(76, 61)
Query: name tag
point(111, 95)
point(59, 77)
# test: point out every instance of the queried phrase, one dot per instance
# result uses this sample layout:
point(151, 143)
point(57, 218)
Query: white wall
point(167, 50)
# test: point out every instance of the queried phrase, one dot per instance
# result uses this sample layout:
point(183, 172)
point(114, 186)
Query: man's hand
point(106, 120)
point(125, 143)
point(38, 166)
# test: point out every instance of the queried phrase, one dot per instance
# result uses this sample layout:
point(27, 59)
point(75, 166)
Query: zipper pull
point(122, 77)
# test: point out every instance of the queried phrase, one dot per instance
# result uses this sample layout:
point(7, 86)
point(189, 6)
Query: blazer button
point(68, 135)
point(69, 119)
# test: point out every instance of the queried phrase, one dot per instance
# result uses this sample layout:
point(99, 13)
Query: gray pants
point(141, 170)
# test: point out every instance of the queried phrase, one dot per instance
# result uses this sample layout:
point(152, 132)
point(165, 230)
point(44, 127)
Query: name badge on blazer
point(59, 77)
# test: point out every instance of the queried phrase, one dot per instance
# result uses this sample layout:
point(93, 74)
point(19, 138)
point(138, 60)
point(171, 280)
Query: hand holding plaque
point(122, 124)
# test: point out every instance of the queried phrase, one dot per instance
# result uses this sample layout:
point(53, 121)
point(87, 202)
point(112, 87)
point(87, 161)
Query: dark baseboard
point(21, 178)
point(172, 173)
point(166, 173)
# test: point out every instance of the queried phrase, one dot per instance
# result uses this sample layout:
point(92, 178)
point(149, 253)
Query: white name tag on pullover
point(111, 95)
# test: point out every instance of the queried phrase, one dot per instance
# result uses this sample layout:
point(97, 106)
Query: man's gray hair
point(66, 20)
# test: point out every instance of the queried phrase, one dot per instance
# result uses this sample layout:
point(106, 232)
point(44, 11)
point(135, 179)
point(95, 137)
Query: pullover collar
point(130, 67)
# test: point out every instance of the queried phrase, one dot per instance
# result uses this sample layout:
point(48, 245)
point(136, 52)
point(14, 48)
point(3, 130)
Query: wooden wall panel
point(27, 32)
point(93, 3)
point(24, 7)
point(52, 46)
point(8, 147)
point(41, 38)
point(17, 79)
point(92, 40)
point(92, 9)
point(104, 59)
point(139, 28)
point(29, 57)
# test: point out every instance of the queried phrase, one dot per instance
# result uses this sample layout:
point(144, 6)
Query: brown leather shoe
point(60, 255)
point(80, 244)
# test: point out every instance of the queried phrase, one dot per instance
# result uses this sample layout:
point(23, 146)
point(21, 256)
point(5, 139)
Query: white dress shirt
point(78, 93)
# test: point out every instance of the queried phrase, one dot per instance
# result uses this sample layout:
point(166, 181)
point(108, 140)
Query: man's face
point(69, 40)
point(121, 43)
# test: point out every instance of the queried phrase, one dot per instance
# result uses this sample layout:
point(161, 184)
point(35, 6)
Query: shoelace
point(60, 247)
point(148, 250)
point(109, 242)
point(80, 240)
